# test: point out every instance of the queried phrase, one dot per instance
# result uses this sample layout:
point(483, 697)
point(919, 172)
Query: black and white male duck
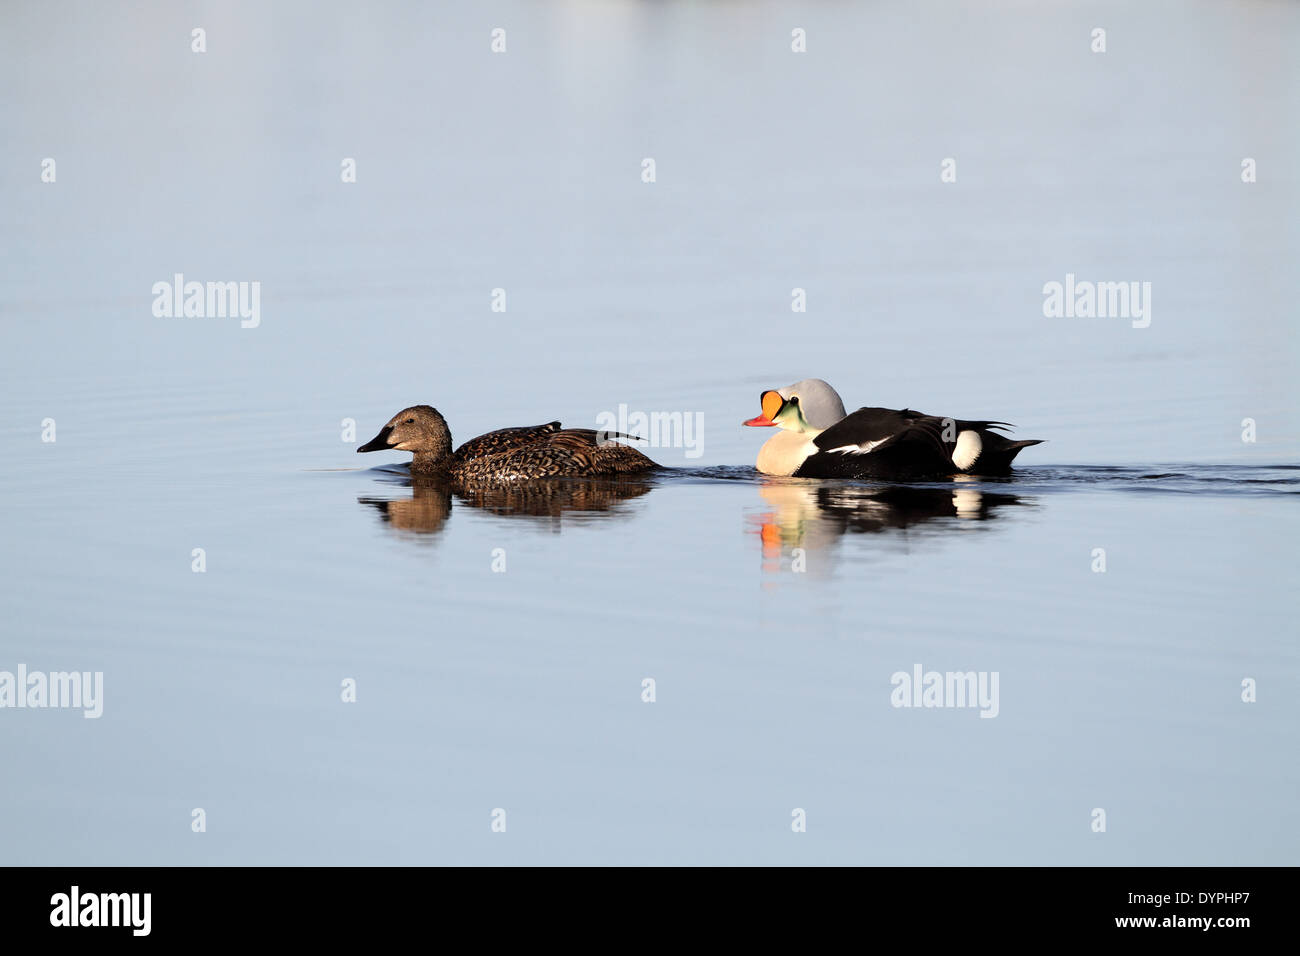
point(508, 454)
point(818, 440)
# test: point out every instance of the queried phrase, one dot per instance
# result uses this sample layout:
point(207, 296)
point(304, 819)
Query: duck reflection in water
point(550, 501)
point(813, 515)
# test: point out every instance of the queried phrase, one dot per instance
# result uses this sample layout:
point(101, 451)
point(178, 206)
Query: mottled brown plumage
point(508, 454)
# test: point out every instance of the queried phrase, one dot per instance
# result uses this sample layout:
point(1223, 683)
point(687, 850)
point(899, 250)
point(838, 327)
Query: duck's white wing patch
point(861, 449)
point(967, 449)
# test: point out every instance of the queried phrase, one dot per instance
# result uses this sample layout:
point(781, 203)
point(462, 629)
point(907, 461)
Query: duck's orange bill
point(772, 402)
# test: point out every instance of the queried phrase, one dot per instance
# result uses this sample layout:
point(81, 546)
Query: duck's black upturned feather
point(869, 425)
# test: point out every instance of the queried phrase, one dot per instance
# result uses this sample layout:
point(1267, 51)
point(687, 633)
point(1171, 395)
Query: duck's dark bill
point(378, 443)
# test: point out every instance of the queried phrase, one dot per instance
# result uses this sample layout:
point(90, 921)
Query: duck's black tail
point(998, 453)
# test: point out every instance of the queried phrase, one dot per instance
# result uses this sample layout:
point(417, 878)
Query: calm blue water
point(499, 642)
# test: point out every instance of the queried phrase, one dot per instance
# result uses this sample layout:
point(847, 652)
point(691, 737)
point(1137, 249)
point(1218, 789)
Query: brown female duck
point(508, 454)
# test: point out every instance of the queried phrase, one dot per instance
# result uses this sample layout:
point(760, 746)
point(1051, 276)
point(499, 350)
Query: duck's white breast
point(784, 452)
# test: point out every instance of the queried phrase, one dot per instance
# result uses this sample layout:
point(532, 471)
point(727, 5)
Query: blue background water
point(522, 689)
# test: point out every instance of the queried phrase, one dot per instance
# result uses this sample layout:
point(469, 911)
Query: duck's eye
point(794, 399)
point(409, 421)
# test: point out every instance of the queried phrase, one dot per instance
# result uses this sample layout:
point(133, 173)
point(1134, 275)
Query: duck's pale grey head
point(807, 406)
point(420, 429)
